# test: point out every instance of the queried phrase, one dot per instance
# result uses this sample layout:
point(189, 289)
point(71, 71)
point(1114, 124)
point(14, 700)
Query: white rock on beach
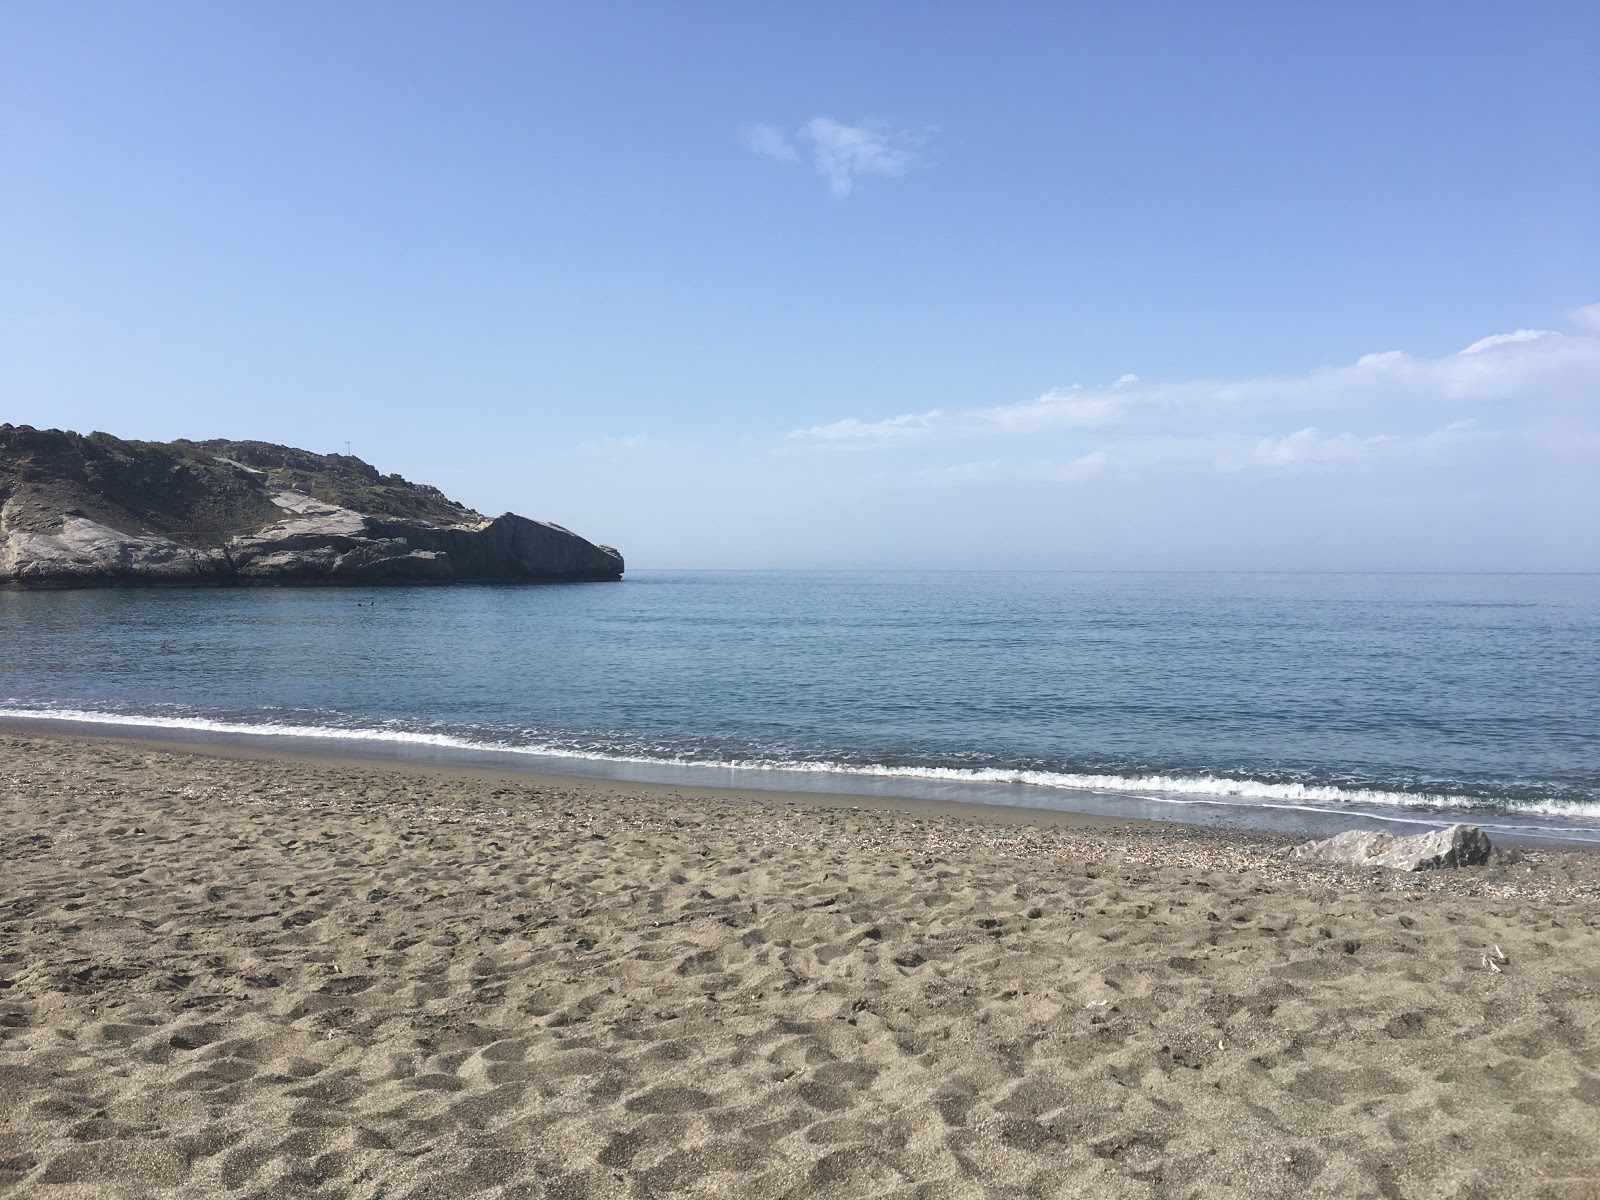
point(1457, 846)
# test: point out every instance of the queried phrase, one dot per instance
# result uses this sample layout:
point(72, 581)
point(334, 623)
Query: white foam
point(1201, 789)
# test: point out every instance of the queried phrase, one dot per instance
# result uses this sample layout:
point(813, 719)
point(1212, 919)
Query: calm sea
point(1279, 701)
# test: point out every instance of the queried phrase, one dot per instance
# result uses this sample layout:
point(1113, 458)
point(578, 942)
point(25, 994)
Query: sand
point(261, 976)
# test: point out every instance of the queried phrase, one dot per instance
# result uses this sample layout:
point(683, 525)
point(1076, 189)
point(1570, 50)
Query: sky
point(1148, 286)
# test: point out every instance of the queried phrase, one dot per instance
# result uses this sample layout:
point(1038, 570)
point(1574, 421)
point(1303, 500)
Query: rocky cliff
point(98, 511)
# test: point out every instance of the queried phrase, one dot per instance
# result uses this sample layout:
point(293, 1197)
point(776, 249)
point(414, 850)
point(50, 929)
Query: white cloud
point(1586, 318)
point(1540, 370)
point(1508, 339)
point(1381, 359)
point(1060, 408)
point(844, 152)
point(768, 141)
point(992, 471)
point(1309, 445)
point(1303, 451)
point(851, 432)
point(1310, 450)
point(841, 153)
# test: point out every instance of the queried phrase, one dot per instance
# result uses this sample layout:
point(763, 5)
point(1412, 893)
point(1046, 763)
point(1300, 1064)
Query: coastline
point(1016, 801)
point(261, 749)
point(268, 974)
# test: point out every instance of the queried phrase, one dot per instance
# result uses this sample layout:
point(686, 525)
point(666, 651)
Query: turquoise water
point(1256, 699)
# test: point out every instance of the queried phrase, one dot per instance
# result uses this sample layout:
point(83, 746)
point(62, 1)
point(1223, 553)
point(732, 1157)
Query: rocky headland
point(100, 511)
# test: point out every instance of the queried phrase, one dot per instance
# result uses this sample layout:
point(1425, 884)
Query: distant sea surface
point(1276, 701)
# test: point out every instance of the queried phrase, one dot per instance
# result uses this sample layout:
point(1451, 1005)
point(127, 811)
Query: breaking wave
point(1193, 788)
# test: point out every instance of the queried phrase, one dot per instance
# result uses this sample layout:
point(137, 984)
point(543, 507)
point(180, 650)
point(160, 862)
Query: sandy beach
point(257, 975)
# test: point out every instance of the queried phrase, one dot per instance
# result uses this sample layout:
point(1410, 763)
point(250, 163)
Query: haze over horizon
point(1157, 286)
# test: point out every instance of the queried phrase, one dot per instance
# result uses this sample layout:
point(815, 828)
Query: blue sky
point(1185, 285)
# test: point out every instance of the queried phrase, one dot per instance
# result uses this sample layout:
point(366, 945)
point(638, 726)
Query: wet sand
point(259, 975)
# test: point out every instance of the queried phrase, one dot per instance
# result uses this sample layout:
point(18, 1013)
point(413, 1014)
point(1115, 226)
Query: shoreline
point(761, 803)
point(611, 788)
point(978, 801)
point(247, 749)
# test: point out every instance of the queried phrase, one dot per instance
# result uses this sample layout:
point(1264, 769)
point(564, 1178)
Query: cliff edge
point(99, 511)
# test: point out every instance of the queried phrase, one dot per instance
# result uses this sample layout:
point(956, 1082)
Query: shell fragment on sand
point(1457, 846)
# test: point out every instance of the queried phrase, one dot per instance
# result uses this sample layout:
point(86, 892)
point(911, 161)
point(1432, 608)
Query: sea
point(1290, 702)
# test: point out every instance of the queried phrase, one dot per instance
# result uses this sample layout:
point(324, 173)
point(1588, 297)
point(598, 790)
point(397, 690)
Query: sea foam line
point(1202, 788)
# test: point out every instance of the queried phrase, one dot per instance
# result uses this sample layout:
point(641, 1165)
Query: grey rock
point(1457, 846)
point(102, 512)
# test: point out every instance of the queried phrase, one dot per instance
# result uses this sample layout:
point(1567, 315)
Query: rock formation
point(98, 511)
point(1457, 846)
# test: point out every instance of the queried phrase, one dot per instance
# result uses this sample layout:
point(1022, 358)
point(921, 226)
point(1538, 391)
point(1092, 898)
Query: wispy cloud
point(853, 434)
point(844, 152)
point(841, 153)
point(1508, 339)
point(1540, 368)
point(1586, 318)
point(1061, 408)
point(1311, 445)
point(768, 141)
point(1528, 396)
point(992, 471)
point(1306, 451)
